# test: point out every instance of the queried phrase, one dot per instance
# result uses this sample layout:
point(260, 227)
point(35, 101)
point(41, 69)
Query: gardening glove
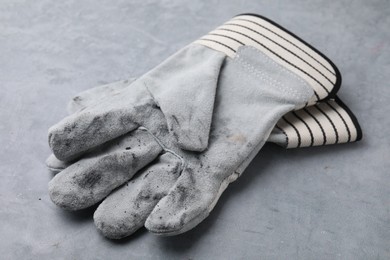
point(243, 118)
point(183, 87)
point(195, 180)
point(127, 197)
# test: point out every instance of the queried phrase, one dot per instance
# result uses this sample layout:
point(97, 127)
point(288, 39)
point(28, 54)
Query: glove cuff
point(328, 122)
point(280, 45)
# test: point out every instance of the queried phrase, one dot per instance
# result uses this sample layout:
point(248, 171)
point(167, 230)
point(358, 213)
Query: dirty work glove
point(293, 134)
point(183, 87)
point(242, 121)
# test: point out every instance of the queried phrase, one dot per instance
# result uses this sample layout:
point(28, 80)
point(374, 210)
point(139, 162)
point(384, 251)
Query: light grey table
point(315, 203)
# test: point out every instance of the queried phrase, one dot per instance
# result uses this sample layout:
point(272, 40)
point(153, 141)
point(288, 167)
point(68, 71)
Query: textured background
point(314, 203)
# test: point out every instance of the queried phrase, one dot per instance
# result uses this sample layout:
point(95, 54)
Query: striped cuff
point(280, 45)
point(328, 122)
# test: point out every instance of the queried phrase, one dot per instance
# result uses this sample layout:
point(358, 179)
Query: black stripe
point(330, 121)
point(317, 96)
point(336, 70)
point(308, 54)
point(315, 119)
point(283, 133)
point(220, 43)
point(307, 126)
point(342, 119)
point(231, 38)
point(331, 82)
point(353, 118)
point(296, 131)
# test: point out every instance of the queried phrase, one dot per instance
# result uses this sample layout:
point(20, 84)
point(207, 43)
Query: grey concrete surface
point(314, 203)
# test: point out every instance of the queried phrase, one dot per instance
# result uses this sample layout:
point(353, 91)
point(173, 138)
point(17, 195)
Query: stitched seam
point(274, 63)
point(269, 80)
point(165, 149)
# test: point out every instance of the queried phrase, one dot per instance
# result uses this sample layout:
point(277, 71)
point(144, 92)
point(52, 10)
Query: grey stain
point(134, 162)
point(182, 219)
point(191, 175)
point(89, 180)
point(174, 118)
point(146, 175)
point(159, 195)
point(143, 196)
point(181, 195)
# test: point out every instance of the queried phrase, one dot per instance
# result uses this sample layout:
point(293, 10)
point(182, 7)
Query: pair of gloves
point(158, 151)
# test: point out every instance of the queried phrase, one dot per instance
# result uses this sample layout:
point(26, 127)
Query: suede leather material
point(191, 73)
point(188, 121)
point(95, 95)
point(126, 209)
point(89, 180)
point(243, 118)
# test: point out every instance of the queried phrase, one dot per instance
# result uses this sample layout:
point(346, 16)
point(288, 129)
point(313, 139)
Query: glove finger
point(126, 209)
point(94, 95)
point(189, 202)
point(55, 165)
point(189, 121)
point(85, 99)
point(81, 131)
point(89, 180)
point(110, 118)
